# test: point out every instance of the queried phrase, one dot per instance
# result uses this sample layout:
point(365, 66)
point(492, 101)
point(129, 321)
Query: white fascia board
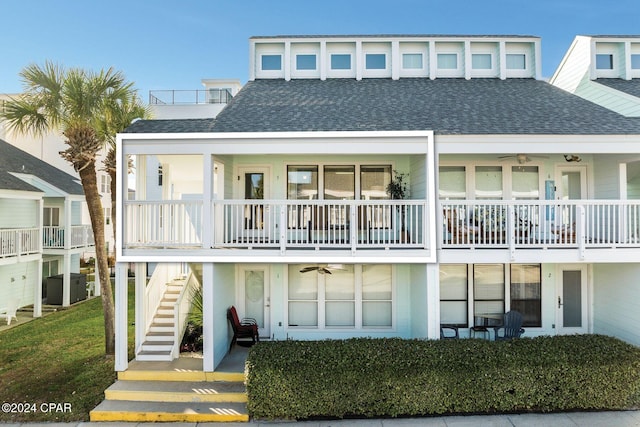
point(536, 144)
point(356, 142)
point(20, 194)
point(287, 259)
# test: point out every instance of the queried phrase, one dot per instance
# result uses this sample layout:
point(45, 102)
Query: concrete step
point(153, 346)
point(134, 411)
point(150, 356)
point(194, 375)
point(177, 391)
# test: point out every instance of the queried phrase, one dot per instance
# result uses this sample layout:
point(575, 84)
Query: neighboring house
point(47, 148)
point(604, 70)
point(41, 232)
point(279, 207)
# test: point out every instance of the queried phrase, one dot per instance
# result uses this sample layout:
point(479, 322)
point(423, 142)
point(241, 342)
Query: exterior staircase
point(174, 395)
point(160, 339)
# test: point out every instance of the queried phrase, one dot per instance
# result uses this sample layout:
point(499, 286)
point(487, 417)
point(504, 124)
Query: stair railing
point(154, 292)
point(181, 311)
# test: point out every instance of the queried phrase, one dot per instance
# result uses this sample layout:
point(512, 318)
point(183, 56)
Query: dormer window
point(271, 62)
point(412, 61)
point(635, 61)
point(448, 61)
point(306, 62)
point(376, 61)
point(481, 61)
point(604, 61)
point(516, 61)
point(341, 61)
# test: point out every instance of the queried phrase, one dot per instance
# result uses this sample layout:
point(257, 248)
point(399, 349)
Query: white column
point(502, 55)
point(66, 278)
point(208, 338)
point(395, 60)
point(286, 63)
point(67, 223)
point(207, 196)
point(467, 64)
point(37, 299)
point(121, 307)
point(323, 60)
point(140, 269)
point(433, 60)
point(359, 60)
point(433, 301)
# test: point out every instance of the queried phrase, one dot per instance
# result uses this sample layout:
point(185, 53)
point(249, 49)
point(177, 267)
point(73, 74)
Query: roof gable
point(12, 159)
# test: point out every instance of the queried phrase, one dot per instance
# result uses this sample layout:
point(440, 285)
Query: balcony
point(349, 225)
point(189, 97)
point(571, 224)
point(19, 241)
point(53, 237)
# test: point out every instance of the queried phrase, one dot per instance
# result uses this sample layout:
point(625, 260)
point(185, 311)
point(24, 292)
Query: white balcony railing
point(284, 224)
point(19, 241)
point(553, 223)
point(53, 237)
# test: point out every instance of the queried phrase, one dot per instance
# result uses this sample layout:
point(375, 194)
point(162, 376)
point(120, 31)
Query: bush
point(396, 377)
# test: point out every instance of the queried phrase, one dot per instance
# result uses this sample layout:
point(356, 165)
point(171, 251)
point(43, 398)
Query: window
point(352, 296)
point(339, 182)
point(374, 181)
point(271, 62)
point(302, 182)
point(516, 61)
point(448, 61)
point(375, 61)
point(107, 216)
point(105, 184)
point(453, 294)
point(377, 296)
point(526, 293)
point(412, 61)
point(160, 175)
point(481, 61)
point(488, 289)
point(488, 182)
point(635, 61)
point(305, 62)
point(51, 217)
point(340, 61)
point(525, 183)
point(452, 182)
point(604, 61)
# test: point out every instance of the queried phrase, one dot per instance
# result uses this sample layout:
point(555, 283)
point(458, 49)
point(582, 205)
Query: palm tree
point(73, 102)
point(117, 118)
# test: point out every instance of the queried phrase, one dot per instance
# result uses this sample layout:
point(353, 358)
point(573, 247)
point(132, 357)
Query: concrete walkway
point(569, 419)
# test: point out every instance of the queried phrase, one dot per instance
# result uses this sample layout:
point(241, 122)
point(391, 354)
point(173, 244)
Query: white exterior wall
point(575, 65)
point(616, 295)
point(606, 177)
point(18, 213)
point(224, 279)
point(19, 281)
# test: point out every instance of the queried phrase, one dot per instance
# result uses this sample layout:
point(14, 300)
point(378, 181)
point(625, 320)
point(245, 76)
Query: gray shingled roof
point(632, 87)
point(447, 106)
point(12, 159)
point(10, 182)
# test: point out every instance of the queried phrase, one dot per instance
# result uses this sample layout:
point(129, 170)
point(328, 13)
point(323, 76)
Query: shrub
point(395, 377)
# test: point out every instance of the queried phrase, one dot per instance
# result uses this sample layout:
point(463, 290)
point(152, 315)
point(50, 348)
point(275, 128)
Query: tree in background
point(75, 102)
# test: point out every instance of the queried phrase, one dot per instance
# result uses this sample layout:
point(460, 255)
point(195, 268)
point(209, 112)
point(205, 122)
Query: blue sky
point(173, 44)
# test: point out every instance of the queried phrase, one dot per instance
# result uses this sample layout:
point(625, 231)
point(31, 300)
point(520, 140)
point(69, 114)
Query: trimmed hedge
point(395, 377)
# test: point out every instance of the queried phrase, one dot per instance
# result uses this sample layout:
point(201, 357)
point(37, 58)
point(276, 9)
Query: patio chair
point(245, 328)
point(459, 231)
point(10, 312)
point(448, 332)
point(512, 326)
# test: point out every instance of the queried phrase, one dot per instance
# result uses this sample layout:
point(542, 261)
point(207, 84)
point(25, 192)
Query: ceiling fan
point(521, 158)
point(321, 269)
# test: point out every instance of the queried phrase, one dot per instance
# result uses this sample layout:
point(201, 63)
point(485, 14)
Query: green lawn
point(58, 359)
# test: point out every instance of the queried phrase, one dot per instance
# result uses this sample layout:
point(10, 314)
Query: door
point(254, 299)
point(571, 184)
point(254, 186)
point(572, 301)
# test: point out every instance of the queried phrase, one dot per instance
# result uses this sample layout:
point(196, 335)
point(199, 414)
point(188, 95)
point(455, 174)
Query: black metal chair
point(448, 332)
point(479, 326)
point(512, 326)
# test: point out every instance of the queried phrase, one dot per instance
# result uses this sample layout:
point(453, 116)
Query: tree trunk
point(88, 178)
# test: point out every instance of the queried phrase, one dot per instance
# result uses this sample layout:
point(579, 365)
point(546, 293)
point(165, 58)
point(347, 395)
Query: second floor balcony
point(56, 237)
point(348, 225)
point(16, 242)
